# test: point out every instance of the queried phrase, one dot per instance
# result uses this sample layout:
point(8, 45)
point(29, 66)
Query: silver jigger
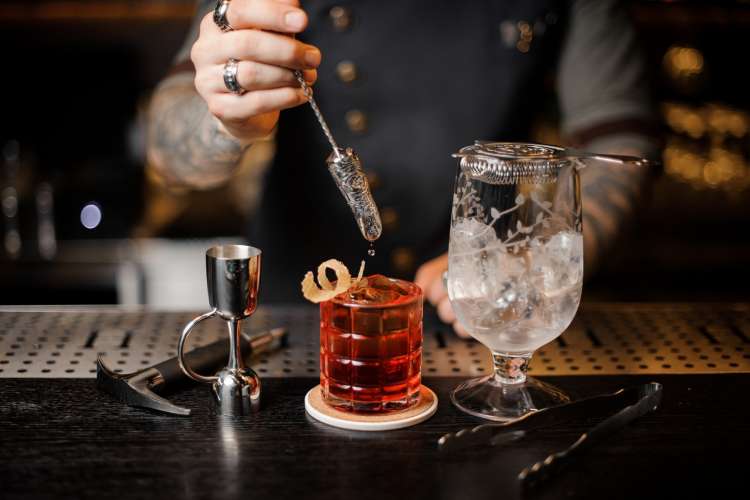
point(233, 275)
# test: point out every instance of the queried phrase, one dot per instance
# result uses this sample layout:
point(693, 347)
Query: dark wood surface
point(64, 439)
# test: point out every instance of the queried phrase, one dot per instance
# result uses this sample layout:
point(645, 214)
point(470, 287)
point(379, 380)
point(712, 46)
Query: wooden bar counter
point(62, 438)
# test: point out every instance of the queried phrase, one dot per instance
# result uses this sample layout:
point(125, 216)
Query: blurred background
point(85, 223)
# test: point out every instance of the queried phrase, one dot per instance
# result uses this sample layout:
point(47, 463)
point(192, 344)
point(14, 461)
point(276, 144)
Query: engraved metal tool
point(346, 170)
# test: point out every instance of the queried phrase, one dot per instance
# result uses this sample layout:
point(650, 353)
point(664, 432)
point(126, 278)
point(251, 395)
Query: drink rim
point(415, 293)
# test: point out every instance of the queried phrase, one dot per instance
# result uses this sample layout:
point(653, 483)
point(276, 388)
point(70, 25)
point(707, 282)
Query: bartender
point(405, 84)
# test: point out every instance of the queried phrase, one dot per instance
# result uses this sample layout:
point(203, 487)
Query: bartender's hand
point(261, 42)
point(430, 279)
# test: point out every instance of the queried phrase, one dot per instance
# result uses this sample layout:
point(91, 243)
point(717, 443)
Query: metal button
point(403, 259)
point(389, 218)
point(525, 37)
point(346, 71)
point(356, 120)
point(520, 34)
point(341, 18)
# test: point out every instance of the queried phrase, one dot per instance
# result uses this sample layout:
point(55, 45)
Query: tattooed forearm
point(610, 194)
point(185, 142)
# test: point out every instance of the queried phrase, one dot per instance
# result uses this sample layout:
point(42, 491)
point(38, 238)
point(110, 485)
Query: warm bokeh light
point(683, 62)
point(717, 164)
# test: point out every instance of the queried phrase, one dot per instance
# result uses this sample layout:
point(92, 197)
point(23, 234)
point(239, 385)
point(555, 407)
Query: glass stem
point(511, 368)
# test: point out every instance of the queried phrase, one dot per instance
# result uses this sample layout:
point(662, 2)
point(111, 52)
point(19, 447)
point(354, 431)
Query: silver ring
point(220, 15)
point(230, 77)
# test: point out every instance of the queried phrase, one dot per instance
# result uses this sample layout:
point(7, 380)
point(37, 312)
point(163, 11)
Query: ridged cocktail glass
point(371, 346)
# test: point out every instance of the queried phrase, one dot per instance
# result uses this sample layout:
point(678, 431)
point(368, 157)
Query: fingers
point(445, 311)
point(446, 315)
point(427, 271)
point(267, 15)
point(235, 109)
point(251, 76)
point(436, 291)
point(258, 46)
point(248, 41)
point(261, 43)
point(430, 278)
point(460, 330)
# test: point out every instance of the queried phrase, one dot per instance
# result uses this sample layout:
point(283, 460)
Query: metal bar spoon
point(346, 170)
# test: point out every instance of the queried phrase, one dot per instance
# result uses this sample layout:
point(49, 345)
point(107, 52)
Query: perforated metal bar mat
point(604, 339)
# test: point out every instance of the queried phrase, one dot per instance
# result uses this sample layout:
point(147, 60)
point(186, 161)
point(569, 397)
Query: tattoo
point(609, 199)
point(186, 144)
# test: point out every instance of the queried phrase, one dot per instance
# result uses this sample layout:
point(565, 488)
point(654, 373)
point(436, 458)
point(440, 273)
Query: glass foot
point(491, 399)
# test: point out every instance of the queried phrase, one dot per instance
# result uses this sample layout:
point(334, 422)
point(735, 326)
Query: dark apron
point(432, 76)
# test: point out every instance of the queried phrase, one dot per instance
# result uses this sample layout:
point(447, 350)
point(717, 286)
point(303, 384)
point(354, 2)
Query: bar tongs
point(493, 434)
point(649, 399)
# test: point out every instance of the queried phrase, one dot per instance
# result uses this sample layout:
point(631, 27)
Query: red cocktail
point(371, 346)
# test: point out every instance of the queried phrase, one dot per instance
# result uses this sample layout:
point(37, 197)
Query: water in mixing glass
point(514, 300)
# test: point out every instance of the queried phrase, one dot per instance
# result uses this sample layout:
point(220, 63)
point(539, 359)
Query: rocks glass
point(371, 346)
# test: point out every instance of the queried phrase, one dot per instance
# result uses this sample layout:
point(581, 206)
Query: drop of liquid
point(371, 250)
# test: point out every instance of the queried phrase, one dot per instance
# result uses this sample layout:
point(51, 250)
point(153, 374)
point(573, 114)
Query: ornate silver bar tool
point(233, 276)
point(346, 170)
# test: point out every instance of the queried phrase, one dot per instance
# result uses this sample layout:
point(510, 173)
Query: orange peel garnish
point(360, 273)
point(324, 289)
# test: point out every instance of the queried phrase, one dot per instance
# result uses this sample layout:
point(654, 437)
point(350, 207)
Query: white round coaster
point(320, 411)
